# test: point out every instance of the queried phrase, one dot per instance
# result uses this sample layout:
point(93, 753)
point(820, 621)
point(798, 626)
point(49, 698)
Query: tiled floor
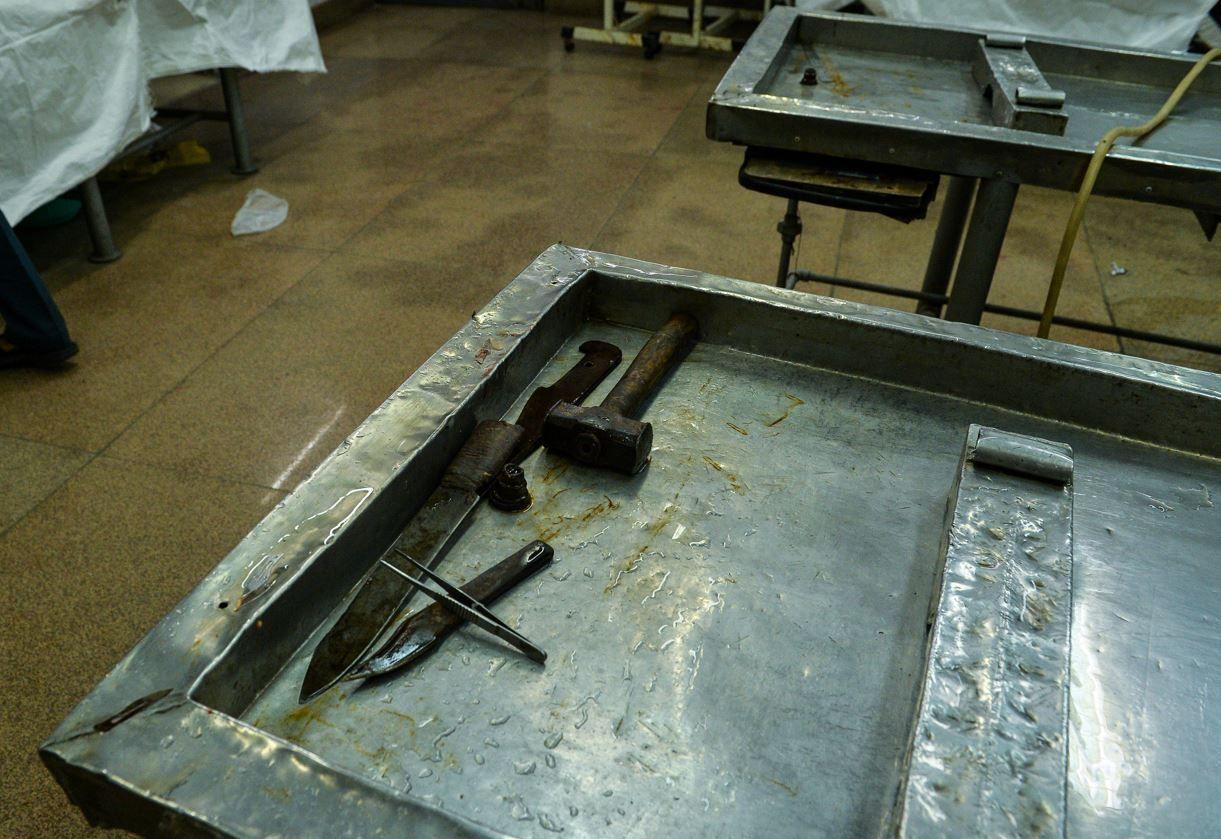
point(444, 150)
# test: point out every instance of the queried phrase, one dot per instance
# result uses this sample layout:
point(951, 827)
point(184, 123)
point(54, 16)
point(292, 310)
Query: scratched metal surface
point(756, 674)
point(712, 640)
point(896, 92)
point(736, 635)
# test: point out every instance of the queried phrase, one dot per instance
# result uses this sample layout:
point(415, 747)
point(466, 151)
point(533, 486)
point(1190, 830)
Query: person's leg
point(35, 332)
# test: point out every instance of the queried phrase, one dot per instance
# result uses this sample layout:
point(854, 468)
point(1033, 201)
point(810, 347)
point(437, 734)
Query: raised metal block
point(1020, 95)
point(990, 747)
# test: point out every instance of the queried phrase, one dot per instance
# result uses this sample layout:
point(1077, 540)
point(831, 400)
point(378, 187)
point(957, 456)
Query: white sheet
point(74, 76)
point(182, 36)
point(1144, 24)
point(72, 92)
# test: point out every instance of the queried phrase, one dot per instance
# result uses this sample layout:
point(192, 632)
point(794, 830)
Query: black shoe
point(12, 355)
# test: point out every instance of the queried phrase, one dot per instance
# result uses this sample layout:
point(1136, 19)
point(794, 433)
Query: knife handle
point(438, 621)
point(482, 456)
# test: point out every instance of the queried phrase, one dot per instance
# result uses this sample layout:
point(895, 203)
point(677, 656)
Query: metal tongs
point(461, 603)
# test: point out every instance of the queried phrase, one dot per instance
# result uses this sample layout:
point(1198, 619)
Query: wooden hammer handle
point(665, 349)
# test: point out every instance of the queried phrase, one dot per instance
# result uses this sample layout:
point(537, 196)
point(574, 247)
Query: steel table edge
point(149, 797)
point(196, 634)
point(1147, 372)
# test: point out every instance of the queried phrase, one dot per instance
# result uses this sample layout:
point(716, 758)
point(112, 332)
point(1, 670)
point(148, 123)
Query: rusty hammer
point(606, 435)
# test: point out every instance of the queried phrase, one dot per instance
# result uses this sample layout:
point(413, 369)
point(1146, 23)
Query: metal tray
point(904, 93)
point(739, 635)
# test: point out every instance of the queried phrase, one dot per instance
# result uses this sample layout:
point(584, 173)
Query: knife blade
point(382, 594)
point(465, 606)
point(424, 630)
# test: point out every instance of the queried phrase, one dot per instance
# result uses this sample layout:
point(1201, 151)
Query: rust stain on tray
point(841, 87)
point(790, 790)
point(605, 505)
point(306, 715)
point(735, 483)
point(548, 527)
point(632, 563)
point(793, 403)
point(555, 471)
point(636, 556)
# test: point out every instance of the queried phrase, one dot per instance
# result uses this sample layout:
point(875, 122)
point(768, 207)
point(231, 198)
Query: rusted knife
point(383, 593)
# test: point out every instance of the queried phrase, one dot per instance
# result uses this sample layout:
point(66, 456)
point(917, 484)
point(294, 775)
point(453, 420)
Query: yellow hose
point(1091, 175)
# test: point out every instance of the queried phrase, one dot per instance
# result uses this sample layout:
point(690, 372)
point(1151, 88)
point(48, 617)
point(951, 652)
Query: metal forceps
point(468, 607)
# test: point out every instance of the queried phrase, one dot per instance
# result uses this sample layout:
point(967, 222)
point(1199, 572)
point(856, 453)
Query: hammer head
point(598, 437)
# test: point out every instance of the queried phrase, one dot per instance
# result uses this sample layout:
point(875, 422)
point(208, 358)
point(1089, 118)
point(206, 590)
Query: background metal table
point(948, 101)
point(738, 635)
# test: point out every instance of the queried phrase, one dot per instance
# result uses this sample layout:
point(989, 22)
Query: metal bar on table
point(677, 11)
point(635, 21)
point(989, 750)
point(721, 23)
point(1021, 96)
point(789, 229)
point(980, 250)
point(946, 242)
point(243, 163)
point(104, 248)
point(1009, 311)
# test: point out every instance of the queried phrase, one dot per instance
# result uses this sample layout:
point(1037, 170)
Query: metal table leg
point(104, 249)
point(945, 244)
point(980, 250)
point(789, 229)
point(243, 162)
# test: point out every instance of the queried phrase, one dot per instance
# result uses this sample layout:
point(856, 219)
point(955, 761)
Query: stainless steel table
point(884, 573)
point(986, 109)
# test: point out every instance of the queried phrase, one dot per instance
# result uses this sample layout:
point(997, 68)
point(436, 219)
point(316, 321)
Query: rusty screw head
point(509, 491)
